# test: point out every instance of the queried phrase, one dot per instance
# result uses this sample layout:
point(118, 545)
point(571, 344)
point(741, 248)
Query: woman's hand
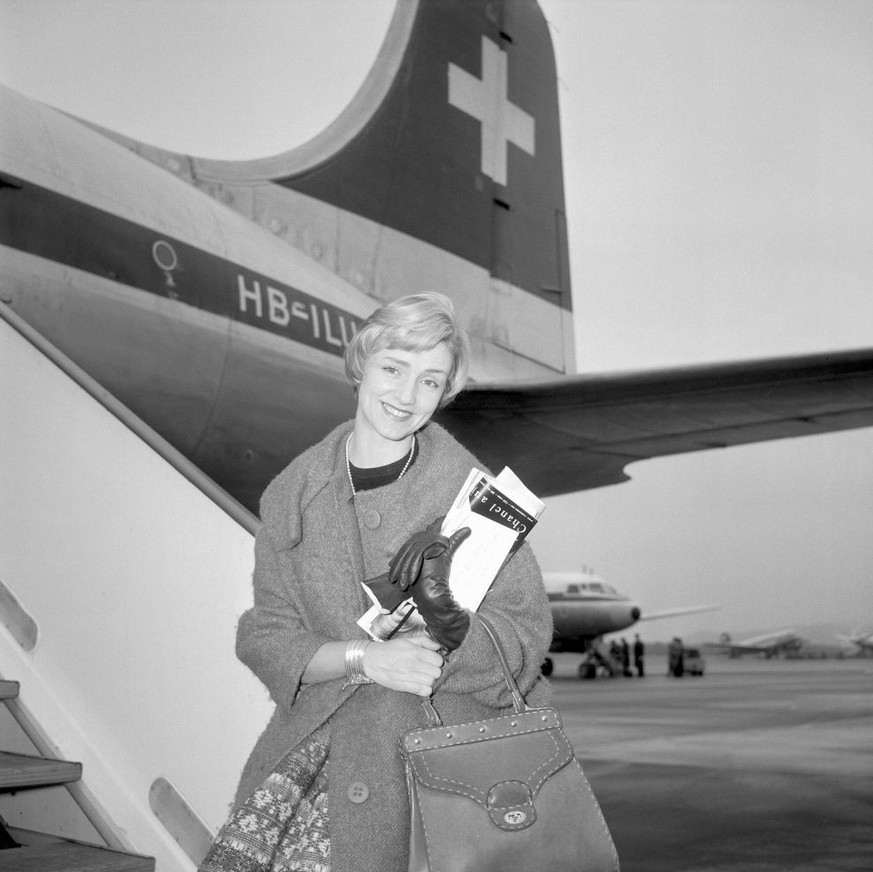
point(405, 566)
point(408, 663)
point(446, 621)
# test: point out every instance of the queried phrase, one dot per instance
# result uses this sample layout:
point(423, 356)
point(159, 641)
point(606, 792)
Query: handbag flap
point(470, 759)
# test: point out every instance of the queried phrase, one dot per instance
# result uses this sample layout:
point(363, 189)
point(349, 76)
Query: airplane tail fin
point(443, 173)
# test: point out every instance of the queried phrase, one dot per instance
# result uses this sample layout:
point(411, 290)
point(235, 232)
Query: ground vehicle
point(694, 661)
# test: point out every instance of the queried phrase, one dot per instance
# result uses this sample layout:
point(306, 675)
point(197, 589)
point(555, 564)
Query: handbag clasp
point(510, 804)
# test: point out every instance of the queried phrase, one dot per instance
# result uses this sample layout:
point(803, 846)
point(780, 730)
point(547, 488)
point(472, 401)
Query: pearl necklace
point(402, 471)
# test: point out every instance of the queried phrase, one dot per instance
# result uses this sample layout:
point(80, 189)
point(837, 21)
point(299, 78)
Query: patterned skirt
point(283, 825)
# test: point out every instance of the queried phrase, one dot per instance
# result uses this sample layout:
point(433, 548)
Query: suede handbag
point(505, 794)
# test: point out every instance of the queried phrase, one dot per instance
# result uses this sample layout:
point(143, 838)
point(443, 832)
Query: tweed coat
point(317, 543)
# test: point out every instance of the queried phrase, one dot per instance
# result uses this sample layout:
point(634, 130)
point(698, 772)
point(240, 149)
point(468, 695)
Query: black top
point(369, 477)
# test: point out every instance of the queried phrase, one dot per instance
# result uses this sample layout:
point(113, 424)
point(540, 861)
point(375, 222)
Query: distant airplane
point(862, 643)
point(215, 298)
point(585, 608)
point(768, 644)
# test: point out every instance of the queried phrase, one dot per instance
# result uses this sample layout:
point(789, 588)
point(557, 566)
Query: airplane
point(862, 643)
point(769, 644)
point(214, 300)
point(585, 608)
point(225, 291)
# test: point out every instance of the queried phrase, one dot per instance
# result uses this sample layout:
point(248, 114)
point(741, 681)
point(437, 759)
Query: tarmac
point(759, 765)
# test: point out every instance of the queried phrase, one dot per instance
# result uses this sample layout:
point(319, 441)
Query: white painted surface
point(136, 580)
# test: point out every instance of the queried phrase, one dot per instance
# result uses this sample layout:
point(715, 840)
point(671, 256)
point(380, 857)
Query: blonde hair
point(417, 322)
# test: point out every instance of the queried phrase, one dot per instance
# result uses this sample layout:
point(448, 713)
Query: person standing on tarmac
point(639, 653)
point(625, 658)
point(676, 665)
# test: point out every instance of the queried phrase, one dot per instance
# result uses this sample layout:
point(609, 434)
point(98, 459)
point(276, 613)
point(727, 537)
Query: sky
point(718, 160)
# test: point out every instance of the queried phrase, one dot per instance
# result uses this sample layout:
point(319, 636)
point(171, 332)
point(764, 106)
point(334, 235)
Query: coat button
point(358, 792)
point(372, 519)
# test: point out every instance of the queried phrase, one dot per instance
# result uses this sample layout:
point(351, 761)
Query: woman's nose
point(406, 391)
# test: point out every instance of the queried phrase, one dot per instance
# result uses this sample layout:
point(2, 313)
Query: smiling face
point(398, 393)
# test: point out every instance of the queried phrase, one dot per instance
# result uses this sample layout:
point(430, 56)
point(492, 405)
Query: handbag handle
point(518, 702)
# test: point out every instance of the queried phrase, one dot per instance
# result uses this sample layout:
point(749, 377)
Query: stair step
point(42, 853)
point(22, 770)
point(8, 689)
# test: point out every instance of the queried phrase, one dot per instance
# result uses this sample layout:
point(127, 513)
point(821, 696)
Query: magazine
point(500, 512)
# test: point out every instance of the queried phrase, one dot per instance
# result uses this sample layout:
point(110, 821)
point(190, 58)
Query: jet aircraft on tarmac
point(769, 644)
point(861, 643)
point(585, 608)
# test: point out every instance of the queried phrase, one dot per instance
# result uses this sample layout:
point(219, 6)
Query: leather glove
point(403, 569)
point(405, 565)
point(446, 621)
point(389, 595)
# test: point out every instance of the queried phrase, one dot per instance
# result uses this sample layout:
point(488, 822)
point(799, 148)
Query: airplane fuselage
point(579, 618)
point(224, 339)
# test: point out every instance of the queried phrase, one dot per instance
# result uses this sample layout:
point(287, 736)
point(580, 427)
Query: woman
point(324, 789)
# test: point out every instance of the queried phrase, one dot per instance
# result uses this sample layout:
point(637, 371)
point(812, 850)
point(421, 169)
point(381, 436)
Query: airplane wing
point(675, 613)
point(736, 648)
point(580, 432)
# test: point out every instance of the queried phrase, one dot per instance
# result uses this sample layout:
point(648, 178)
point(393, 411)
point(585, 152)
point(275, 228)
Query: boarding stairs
point(123, 572)
point(598, 661)
point(25, 850)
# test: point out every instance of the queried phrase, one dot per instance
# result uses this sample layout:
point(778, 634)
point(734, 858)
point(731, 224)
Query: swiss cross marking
point(486, 100)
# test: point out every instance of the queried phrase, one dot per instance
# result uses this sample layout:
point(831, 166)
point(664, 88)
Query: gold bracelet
point(355, 662)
